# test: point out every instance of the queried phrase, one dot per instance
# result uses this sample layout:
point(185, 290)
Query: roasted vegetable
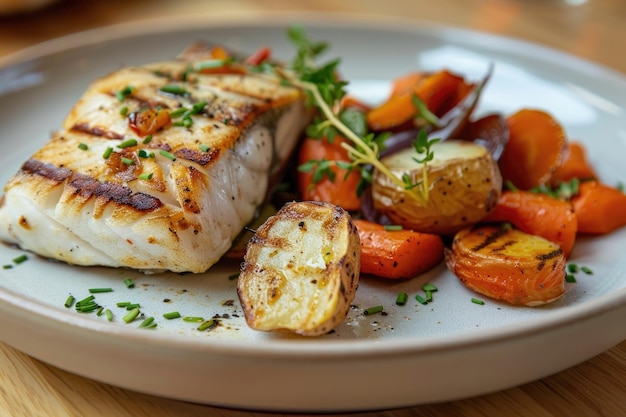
point(464, 184)
point(397, 254)
point(301, 270)
point(538, 214)
point(599, 208)
point(507, 264)
point(535, 149)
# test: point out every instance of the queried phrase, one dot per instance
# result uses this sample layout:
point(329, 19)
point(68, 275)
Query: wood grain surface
point(593, 29)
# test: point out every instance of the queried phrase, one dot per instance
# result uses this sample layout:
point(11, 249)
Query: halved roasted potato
point(301, 270)
point(507, 264)
point(464, 186)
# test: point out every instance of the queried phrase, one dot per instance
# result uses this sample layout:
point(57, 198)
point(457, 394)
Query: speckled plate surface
point(414, 354)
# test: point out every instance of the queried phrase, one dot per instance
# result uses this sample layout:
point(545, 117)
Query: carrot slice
point(397, 254)
point(508, 264)
point(599, 208)
point(436, 91)
point(407, 83)
point(575, 165)
point(340, 190)
point(538, 214)
point(535, 149)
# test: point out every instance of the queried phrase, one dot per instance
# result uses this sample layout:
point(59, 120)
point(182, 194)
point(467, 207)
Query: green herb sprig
point(324, 92)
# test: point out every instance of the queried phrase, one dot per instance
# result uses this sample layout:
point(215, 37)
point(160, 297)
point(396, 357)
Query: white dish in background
point(446, 350)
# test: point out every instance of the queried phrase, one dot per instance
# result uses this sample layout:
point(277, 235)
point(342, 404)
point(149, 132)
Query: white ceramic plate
point(448, 349)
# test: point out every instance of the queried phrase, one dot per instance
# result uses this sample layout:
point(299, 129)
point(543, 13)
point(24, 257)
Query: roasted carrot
point(538, 214)
point(535, 149)
point(349, 101)
point(575, 165)
point(319, 177)
point(435, 91)
point(599, 208)
point(407, 83)
point(397, 254)
point(507, 264)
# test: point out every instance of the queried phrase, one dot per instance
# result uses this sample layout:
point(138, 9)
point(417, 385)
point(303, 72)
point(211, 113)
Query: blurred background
point(587, 28)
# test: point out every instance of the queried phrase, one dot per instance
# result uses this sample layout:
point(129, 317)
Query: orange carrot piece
point(599, 208)
point(341, 191)
point(354, 103)
point(508, 264)
point(407, 83)
point(435, 91)
point(538, 214)
point(535, 149)
point(397, 254)
point(575, 165)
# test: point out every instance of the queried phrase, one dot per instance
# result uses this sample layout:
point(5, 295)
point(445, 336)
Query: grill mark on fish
point(96, 131)
point(87, 187)
point(201, 158)
point(48, 171)
point(546, 257)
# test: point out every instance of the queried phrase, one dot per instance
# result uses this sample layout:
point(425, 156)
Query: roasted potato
point(508, 264)
point(464, 186)
point(301, 270)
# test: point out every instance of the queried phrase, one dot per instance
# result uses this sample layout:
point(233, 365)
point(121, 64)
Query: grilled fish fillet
point(176, 199)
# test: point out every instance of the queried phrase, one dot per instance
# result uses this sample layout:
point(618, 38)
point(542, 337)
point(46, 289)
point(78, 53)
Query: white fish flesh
point(191, 159)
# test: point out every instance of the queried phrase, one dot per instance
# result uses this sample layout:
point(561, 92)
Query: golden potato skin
point(464, 186)
point(301, 270)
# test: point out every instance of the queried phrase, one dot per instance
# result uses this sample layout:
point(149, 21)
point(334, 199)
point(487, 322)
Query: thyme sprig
point(324, 91)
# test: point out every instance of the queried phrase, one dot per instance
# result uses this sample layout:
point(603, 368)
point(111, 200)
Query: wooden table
point(595, 30)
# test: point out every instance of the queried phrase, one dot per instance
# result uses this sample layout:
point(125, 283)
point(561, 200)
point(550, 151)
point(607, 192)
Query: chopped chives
point(211, 64)
point(124, 111)
point(127, 161)
point(208, 325)
point(429, 287)
point(586, 270)
point(393, 227)
point(85, 300)
point(173, 89)
point(142, 153)
point(151, 326)
point(373, 310)
point(204, 147)
point(100, 311)
point(20, 259)
point(107, 152)
point(123, 304)
point(429, 296)
point(145, 176)
point(572, 268)
point(87, 308)
point(420, 299)
point(570, 278)
point(109, 314)
point(129, 283)
point(148, 321)
point(192, 319)
point(401, 298)
point(7, 266)
point(70, 301)
point(83, 146)
point(147, 139)
point(126, 91)
point(127, 143)
point(199, 106)
point(132, 306)
point(131, 315)
point(172, 315)
point(167, 154)
point(97, 290)
point(477, 301)
point(178, 112)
